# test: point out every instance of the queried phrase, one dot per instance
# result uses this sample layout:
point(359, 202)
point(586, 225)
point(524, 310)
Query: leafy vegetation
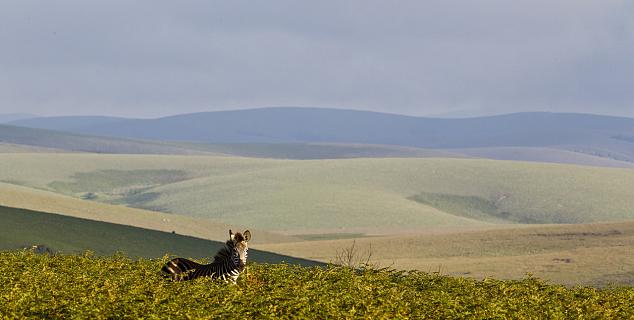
point(86, 286)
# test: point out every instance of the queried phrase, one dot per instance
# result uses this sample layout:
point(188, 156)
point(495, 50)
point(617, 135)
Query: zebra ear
point(230, 235)
point(247, 235)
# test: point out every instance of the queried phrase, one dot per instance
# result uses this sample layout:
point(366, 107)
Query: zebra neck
point(228, 257)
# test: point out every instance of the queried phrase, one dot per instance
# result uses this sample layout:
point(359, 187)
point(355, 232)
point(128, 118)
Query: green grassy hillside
point(23, 228)
point(347, 195)
point(43, 286)
point(45, 201)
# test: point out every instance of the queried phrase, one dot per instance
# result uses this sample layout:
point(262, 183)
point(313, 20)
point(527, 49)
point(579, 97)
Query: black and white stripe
point(228, 263)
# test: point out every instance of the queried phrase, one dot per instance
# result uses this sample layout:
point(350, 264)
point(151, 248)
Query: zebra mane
point(225, 253)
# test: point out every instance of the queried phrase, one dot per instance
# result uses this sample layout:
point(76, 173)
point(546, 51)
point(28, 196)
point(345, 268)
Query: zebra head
point(240, 243)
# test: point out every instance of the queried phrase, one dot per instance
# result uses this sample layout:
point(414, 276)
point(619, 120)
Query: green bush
point(87, 286)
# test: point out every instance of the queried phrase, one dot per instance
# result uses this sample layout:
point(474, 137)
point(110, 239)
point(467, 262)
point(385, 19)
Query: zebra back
point(180, 269)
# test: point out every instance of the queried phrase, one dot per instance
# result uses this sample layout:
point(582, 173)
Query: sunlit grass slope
point(339, 195)
point(589, 254)
point(23, 228)
point(40, 200)
point(45, 286)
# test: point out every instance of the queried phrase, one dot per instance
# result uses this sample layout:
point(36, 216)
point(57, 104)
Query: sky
point(446, 58)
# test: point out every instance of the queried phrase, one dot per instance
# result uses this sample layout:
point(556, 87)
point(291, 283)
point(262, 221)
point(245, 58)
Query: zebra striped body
point(228, 263)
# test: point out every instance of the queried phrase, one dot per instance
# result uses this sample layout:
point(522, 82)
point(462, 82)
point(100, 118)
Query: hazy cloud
point(451, 57)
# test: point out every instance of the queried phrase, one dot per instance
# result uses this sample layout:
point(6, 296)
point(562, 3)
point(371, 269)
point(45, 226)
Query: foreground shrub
point(72, 286)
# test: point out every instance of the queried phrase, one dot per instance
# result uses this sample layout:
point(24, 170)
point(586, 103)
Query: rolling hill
point(23, 228)
point(587, 254)
point(314, 151)
point(464, 217)
point(27, 140)
point(9, 117)
point(66, 123)
point(16, 196)
point(580, 254)
point(604, 136)
point(15, 139)
point(25, 148)
point(346, 195)
point(543, 154)
point(43, 140)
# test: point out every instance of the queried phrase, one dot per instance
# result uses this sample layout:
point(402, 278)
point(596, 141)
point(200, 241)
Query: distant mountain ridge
point(8, 117)
point(65, 141)
point(77, 124)
point(590, 134)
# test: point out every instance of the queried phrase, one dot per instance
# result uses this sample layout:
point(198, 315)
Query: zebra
point(228, 263)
